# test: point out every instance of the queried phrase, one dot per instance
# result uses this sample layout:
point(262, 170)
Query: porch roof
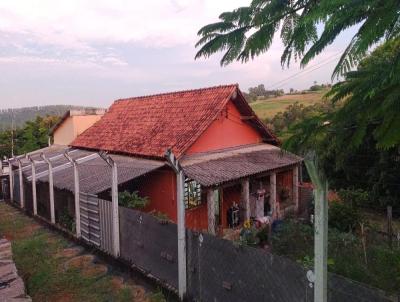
point(94, 173)
point(218, 167)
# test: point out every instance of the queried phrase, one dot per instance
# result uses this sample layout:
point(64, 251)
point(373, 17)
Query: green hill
point(22, 115)
point(268, 108)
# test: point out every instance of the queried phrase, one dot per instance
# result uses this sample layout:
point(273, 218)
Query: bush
point(343, 217)
point(67, 221)
point(355, 198)
point(132, 200)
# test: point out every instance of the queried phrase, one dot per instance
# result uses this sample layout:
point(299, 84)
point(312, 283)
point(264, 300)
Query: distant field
point(268, 108)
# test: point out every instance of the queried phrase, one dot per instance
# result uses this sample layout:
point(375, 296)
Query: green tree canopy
point(358, 142)
point(246, 32)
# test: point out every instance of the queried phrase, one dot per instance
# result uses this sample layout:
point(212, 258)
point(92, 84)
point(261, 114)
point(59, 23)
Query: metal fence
point(106, 220)
point(220, 270)
point(150, 244)
point(90, 218)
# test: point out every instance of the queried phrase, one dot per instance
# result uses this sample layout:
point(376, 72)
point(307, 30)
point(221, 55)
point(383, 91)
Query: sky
point(90, 53)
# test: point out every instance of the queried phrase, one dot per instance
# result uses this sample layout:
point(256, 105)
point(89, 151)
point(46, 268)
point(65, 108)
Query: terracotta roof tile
point(149, 125)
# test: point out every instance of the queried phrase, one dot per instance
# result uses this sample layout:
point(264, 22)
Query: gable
point(226, 131)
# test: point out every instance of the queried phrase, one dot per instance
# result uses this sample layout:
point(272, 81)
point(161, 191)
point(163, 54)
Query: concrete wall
point(72, 127)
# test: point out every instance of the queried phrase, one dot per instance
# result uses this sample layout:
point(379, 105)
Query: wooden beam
point(247, 117)
point(211, 211)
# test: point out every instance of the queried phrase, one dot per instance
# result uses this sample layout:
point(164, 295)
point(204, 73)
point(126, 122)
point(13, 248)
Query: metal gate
point(90, 218)
point(106, 222)
point(96, 221)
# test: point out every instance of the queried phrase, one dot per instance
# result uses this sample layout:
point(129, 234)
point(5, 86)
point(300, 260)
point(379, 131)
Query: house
point(73, 123)
point(234, 168)
point(232, 162)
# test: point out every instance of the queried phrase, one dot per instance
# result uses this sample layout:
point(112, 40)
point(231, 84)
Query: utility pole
point(12, 133)
point(180, 181)
point(320, 231)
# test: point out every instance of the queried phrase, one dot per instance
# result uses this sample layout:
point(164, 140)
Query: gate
point(96, 221)
point(90, 218)
point(106, 219)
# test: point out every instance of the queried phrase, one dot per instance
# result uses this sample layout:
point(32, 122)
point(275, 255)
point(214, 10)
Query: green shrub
point(356, 197)
point(248, 236)
point(132, 200)
point(66, 220)
point(293, 239)
point(263, 235)
point(343, 217)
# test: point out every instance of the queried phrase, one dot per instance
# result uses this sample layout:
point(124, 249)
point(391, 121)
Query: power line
point(306, 70)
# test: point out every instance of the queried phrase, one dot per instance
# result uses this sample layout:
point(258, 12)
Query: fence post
point(21, 184)
point(51, 189)
point(114, 198)
point(34, 195)
point(76, 194)
point(11, 175)
point(320, 231)
point(180, 182)
point(211, 211)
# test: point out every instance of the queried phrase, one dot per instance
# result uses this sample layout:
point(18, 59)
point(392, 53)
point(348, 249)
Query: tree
point(247, 32)
point(357, 143)
point(32, 136)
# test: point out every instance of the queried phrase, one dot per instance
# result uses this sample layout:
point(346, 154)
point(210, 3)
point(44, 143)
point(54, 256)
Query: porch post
point(21, 185)
point(180, 181)
point(211, 211)
point(246, 197)
point(272, 192)
point(34, 195)
point(296, 188)
point(76, 195)
point(51, 189)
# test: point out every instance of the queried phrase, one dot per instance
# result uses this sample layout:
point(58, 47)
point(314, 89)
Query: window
point(192, 193)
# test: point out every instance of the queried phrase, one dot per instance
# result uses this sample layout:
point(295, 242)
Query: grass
point(268, 108)
point(35, 252)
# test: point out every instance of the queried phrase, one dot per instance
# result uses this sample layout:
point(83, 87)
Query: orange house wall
point(160, 187)
point(226, 131)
